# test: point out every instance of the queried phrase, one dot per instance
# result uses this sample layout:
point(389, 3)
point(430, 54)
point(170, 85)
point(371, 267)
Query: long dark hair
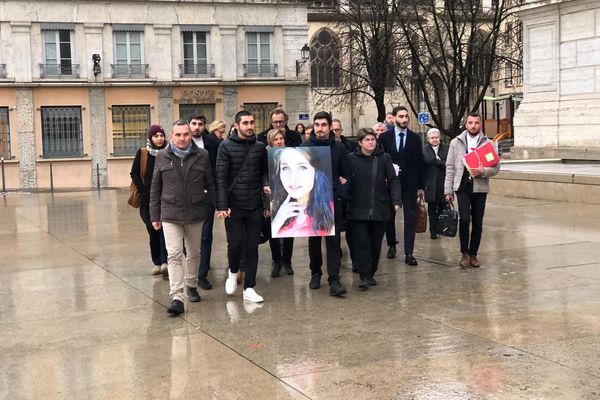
point(320, 198)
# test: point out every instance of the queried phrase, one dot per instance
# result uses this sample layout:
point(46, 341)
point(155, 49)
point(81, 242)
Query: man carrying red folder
point(472, 159)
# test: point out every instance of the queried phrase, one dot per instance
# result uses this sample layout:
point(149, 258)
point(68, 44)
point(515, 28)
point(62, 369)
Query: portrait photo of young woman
point(302, 193)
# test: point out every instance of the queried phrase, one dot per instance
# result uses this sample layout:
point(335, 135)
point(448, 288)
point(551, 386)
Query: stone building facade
point(62, 114)
point(560, 112)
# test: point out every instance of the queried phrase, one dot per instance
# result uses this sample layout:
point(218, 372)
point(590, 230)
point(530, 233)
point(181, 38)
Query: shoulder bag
point(134, 199)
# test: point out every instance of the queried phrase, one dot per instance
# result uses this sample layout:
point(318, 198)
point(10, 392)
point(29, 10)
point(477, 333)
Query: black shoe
point(410, 260)
point(315, 281)
point(175, 308)
point(275, 269)
point(287, 268)
point(336, 288)
point(372, 281)
point(392, 252)
point(204, 283)
point(433, 235)
point(363, 285)
point(354, 268)
point(193, 295)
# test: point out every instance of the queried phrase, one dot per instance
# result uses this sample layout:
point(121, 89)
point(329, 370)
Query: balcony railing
point(260, 69)
point(2, 71)
point(197, 70)
point(129, 70)
point(60, 71)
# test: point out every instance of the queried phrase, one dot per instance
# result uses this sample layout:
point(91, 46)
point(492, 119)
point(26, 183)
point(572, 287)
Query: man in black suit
point(406, 150)
point(208, 142)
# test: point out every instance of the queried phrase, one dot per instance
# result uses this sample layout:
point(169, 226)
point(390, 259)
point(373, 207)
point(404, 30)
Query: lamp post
point(304, 54)
point(96, 69)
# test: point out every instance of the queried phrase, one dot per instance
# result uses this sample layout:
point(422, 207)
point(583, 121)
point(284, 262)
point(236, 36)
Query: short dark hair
point(240, 114)
point(200, 117)
point(474, 115)
point(363, 133)
point(323, 115)
point(398, 108)
point(278, 111)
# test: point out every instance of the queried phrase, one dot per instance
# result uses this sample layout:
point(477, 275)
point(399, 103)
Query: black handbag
point(447, 224)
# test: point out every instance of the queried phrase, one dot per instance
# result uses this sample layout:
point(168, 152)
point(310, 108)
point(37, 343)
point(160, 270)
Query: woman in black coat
point(156, 141)
point(434, 155)
point(372, 190)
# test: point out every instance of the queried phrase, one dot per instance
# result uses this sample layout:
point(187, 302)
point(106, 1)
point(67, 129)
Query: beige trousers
point(182, 270)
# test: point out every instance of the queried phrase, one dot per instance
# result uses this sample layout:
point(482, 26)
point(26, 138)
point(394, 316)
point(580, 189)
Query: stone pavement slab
point(81, 316)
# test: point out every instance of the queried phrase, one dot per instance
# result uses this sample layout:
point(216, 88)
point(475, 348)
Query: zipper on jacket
point(373, 180)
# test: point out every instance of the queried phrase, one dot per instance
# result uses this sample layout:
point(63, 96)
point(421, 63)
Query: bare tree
point(453, 47)
point(439, 54)
point(369, 39)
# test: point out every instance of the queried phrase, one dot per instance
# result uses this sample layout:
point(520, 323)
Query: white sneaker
point(251, 295)
point(231, 283)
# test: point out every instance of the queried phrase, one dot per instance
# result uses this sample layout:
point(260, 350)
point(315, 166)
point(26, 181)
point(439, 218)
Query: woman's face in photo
point(278, 140)
point(297, 175)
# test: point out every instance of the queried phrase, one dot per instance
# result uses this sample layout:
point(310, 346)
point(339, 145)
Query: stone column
point(294, 38)
point(230, 103)
point(94, 45)
point(165, 107)
point(26, 134)
point(296, 101)
point(228, 52)
point(98, 134)
point(159, 54)
point(21, 44)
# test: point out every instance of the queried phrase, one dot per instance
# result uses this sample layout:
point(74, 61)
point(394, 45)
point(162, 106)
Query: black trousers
point(158, 249)
point(206, 240)
point(243, 234)
point(390, 229)
point(281, 250)
point(409, 208)
point(471, 207)
point(434, 209)
point(367, 237)
point(332, 244)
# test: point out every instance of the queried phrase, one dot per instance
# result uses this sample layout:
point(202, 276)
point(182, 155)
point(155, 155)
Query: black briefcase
point(447, 224)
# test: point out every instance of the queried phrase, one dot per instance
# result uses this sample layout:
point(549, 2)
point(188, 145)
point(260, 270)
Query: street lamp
point(304, 54)
point(96, 59)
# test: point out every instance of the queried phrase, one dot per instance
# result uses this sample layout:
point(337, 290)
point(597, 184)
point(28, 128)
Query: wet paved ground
point(81, 318)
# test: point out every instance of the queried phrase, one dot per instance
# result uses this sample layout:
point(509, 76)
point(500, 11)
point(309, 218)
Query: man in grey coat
point(471, 186)
point(182, 172)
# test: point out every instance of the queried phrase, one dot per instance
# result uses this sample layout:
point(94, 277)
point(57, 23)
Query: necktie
point(401, 144)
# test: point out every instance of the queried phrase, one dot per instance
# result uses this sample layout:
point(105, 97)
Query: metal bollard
point(98, 176)
point(3, 178)
point(51, 179)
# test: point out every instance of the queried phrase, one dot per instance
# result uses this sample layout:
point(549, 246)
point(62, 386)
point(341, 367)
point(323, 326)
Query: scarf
point(151, 149)
point(179, 152)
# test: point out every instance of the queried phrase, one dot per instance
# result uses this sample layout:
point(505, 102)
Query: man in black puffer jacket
point(323, 136)
point(241, 175)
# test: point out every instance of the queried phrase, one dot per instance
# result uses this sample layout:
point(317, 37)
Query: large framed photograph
point(301, 192)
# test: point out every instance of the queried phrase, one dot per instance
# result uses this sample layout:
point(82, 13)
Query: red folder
point(484, 155)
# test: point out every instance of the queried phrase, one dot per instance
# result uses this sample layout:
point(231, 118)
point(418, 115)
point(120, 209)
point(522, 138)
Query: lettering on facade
point(192, 95)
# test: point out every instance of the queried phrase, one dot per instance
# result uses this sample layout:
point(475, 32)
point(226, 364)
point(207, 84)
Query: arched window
point(324, 60)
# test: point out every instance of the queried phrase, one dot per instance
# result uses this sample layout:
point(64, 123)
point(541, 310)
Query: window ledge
point(66, 159)
point(11, 161)
point(121, 157)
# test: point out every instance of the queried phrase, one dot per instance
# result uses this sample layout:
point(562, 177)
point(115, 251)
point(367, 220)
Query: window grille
point(61, 132)
point(129, 125)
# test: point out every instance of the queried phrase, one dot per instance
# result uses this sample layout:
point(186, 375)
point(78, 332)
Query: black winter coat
point(374, 186)
point(339, 159)
point(435, 172)
point(177, 193)
point(246, 194)
point(292, 138)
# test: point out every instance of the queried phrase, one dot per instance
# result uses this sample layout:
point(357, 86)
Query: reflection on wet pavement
point(81, 316)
